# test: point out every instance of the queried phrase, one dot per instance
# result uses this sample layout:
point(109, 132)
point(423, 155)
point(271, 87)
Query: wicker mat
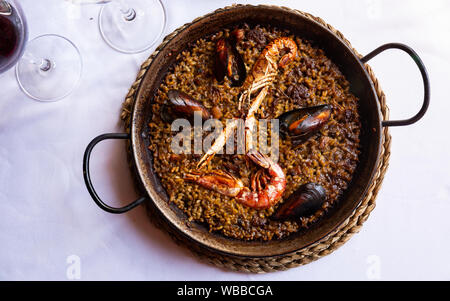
point(313, 252)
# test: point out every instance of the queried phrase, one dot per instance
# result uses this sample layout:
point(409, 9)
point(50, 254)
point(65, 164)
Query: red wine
point(8, 39)
point(13, 35)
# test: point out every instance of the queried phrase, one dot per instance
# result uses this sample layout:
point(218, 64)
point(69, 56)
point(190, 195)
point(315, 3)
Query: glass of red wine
point(130, 26)
point(13, 35)
point(48, 68)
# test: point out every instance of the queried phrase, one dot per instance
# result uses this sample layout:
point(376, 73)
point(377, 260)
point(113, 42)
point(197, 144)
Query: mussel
point(182, 105)
point(301, 124)
point(228, 62)
point(305, 201)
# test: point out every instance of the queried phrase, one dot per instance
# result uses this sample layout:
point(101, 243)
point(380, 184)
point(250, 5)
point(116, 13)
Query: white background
point(46, 213)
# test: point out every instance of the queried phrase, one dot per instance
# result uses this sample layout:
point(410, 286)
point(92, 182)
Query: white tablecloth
point(47, 215)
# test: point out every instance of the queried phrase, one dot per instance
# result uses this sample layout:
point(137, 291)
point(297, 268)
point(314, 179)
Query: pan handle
point(423, 71)
point(87, 175)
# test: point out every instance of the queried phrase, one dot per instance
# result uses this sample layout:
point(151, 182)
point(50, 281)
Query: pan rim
point(136, 135)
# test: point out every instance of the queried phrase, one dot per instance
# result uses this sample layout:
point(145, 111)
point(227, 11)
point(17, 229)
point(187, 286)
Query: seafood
point(301, 124)
point(181, 105)
point(217, 180)
point(266, 190)
point(329, 159)
point(306, 200)
point(219, 142)
point(265, 68)
point(262, 75)
point(228, 62)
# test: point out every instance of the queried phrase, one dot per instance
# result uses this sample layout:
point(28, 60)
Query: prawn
point(267, 184)
point(263, 74)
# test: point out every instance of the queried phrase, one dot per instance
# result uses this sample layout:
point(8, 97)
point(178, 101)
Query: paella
point(241, 77)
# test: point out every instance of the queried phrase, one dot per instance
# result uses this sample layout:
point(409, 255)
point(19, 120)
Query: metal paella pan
point(361, 86)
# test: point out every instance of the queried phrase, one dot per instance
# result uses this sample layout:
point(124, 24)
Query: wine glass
point(130, 26)
point(48, 68)
point(13, 35)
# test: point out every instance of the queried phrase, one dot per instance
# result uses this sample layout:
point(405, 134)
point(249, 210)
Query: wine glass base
point(64, 68)
point(135, 35)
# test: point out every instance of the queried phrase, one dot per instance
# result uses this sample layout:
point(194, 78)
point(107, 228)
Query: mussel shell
point(228, 62)
point(220, 60)
point(182, 105)
point(300, 124)
point(305, 201)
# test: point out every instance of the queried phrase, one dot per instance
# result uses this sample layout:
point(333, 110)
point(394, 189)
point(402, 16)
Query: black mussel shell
point(305, 201)
point(182, 105)
point(220, 60)
point(301, 124)
point(228, 62)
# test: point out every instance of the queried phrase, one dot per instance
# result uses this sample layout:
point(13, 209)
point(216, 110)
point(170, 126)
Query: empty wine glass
point(130, 26)
point(48, 68)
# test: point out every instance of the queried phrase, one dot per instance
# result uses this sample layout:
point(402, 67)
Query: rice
point(328, 158)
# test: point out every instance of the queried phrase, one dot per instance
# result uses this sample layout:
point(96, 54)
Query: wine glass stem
point(128, 13)
point(42, 63)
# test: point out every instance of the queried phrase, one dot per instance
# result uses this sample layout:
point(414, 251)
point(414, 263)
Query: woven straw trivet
point(313, 252)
